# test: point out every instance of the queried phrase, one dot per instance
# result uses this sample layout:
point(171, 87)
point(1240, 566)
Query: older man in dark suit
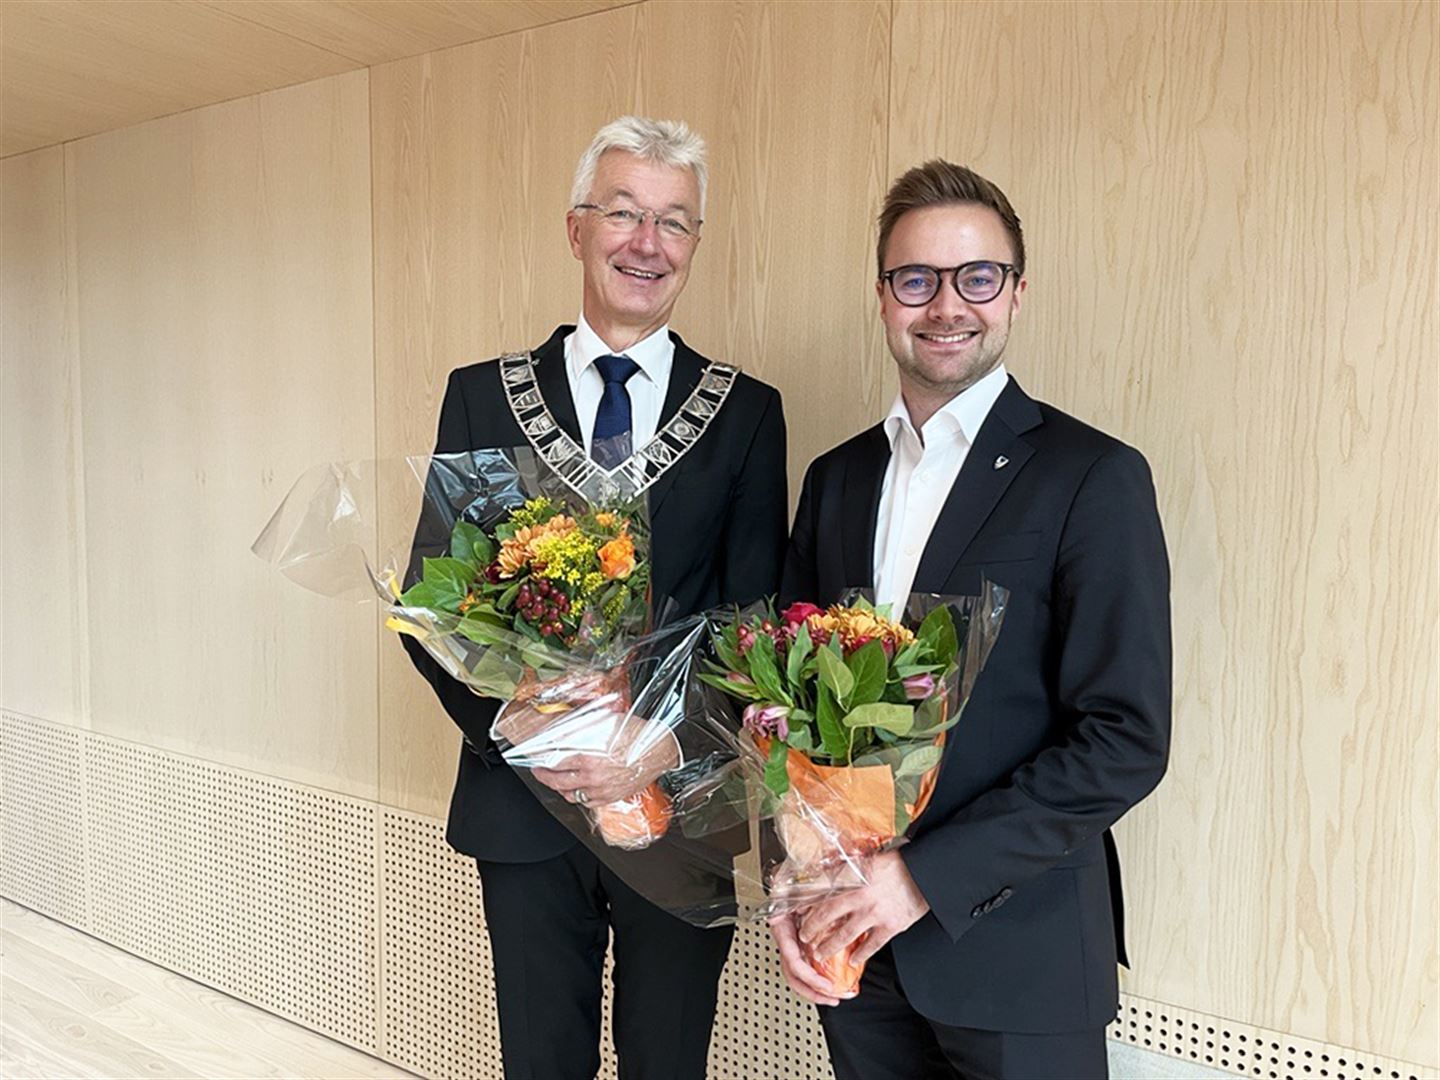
point(619, 389)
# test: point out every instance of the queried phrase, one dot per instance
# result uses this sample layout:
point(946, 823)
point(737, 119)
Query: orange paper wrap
point(852, 805)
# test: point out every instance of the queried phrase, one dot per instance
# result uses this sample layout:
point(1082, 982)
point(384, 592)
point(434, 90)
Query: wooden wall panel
point(791, 99)
point(1231, 212)
point(224, 276)
point(42, 627)
point(474, 149)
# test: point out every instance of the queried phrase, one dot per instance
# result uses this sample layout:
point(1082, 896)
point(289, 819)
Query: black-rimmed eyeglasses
point(627, 219)
point(976, 282)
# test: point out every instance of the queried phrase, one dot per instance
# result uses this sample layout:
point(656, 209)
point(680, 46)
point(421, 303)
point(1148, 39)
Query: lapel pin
point(1001, 461)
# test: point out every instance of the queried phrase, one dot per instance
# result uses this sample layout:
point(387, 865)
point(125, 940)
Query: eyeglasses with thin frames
point(626, 219)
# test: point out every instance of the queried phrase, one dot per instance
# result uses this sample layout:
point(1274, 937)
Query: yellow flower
point(517, 552)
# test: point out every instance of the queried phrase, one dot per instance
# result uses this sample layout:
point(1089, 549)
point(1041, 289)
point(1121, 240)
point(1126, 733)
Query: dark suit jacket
point(717, 521)
point(1069, 724)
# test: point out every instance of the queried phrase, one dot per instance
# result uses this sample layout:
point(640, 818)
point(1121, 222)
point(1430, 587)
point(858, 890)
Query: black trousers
point(877, 1035)
point(549, 924)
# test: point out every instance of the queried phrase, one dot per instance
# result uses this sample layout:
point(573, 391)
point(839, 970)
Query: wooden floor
point(73, 1006)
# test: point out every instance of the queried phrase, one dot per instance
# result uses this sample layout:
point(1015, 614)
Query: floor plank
point(104, 990)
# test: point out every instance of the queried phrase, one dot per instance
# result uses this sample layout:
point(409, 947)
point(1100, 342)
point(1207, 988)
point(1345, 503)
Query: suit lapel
point(864, 476)
point(554, 384)
point(685, 371)
point(990, 467)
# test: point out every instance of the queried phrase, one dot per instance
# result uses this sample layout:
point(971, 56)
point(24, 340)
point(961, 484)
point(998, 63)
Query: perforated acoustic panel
point(1247, 1050)
point(42, 822)
point(263, 889)
point(358, 921)
point(439, 989)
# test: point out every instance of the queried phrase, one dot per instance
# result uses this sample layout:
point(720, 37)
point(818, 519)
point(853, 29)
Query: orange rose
point(617, 558)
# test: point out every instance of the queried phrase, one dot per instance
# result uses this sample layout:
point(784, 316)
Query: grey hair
point(663, 142)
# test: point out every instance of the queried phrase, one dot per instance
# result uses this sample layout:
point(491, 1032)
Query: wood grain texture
point(474, 149)
point(791, 100)
point(123, 1003)
point(223, 269)
point(42, 622)
point(73, 68)
point(378, 31)
point(1231, 215)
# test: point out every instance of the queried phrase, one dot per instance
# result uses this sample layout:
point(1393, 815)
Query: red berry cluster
point(545, 605)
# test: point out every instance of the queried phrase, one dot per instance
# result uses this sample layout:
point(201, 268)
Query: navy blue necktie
point(610, 441)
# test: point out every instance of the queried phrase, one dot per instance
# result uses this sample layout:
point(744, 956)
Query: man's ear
point(572, 230)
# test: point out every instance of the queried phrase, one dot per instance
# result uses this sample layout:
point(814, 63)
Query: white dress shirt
point(922, 470)
point(653, 354)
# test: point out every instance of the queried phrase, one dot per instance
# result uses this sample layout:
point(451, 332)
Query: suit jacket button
point(1006, 893)
point(976, 912)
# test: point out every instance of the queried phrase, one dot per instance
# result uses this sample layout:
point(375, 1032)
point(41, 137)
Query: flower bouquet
point(517, 586)
point(848, 709)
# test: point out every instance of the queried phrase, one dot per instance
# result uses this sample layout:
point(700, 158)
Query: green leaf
point(835, 676)
point(800, 651)
point(904, 671)
point(734, 689)
point(450, 578)
point(869, 666)
point(495, 674)
point(424, 595)
point(801, 738)
point(897, 718)
point(827, 719)
point(765, 669)
point(470, 544)
point(727, 651)
point(484, 627)
point(777, 776)
point(908, 654)
point(507, 598)
point(906, 791)
point(937, 633)
point(919, 761)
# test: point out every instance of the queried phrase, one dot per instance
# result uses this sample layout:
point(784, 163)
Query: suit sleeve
point(1111, 625)
point(754, 541)
point(801, 579)
point(471, 713)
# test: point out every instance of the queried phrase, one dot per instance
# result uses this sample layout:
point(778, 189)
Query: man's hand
point(889, 904)
point(597, 778)
point(802, 978)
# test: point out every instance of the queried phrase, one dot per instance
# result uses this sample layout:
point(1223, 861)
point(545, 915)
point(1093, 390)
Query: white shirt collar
point(652, 354)
point(962, 415)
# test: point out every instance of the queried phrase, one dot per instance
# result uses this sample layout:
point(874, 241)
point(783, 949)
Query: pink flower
point(797, 613)
point(744, 639)
point(768, 720)
point(737, 677)
point(919, 687)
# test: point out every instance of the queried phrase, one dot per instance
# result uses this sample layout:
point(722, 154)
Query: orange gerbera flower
point(617, 558)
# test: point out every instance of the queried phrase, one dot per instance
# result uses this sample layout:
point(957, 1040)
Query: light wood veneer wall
point(1231, 213)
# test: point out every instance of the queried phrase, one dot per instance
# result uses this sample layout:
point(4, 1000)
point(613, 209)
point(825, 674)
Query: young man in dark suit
point(993, 934)
point(607, 386)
